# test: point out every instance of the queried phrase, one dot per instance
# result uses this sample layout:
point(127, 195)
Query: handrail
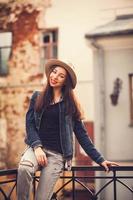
point(73, 179)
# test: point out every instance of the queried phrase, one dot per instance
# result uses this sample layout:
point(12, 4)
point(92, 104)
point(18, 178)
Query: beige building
point(104, 66)
point(112, 46)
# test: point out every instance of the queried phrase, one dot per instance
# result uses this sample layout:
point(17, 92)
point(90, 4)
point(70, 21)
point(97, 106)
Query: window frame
point(48, 45)
point(9, 47)
point(130, 77)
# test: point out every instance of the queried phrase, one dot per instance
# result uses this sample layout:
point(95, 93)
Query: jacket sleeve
point(32, 137)
point(86, 143)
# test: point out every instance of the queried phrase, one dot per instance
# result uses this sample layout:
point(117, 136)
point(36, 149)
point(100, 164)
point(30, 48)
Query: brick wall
point(24, 20)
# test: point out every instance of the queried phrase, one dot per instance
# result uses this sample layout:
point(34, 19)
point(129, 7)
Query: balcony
point(79, 186)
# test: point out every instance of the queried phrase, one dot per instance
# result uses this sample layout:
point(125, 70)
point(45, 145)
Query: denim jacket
point(67, 126)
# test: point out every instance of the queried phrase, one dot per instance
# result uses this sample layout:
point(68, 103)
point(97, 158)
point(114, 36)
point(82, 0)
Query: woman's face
point(57, 77)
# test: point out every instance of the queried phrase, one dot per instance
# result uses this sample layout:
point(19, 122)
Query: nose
point(55, 76)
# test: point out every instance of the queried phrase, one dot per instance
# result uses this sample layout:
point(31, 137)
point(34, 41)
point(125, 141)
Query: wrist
point(37, 147)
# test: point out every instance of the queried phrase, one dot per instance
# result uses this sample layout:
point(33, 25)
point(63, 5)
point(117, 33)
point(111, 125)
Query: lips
point(53, 81)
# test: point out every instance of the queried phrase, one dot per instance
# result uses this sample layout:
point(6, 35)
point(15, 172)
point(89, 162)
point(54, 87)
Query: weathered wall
point(24, 19)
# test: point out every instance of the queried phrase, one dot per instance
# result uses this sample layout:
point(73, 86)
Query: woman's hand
point(40, 156)
point(106, 164)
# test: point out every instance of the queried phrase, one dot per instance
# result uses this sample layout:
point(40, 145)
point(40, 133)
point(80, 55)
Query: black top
point(49, 131)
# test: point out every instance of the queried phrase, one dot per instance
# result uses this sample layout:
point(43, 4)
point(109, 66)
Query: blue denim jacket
point(67, 127)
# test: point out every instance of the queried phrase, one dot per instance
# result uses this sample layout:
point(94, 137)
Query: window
point(49, 45)
point(131, 97)
point(5, 49)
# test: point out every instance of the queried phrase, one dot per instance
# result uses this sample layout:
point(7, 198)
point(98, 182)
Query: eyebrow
point(63, 74)
point(60, 73)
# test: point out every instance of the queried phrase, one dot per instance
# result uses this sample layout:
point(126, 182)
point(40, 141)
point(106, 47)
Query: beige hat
point(55, 62)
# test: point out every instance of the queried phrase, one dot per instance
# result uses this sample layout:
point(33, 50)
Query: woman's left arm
point(88, 146)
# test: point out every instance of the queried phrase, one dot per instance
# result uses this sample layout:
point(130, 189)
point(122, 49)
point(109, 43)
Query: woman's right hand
point(40, 156)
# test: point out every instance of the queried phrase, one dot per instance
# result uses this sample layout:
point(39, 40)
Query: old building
point(20, 24)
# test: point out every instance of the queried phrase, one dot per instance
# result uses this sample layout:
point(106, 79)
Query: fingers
point(42, 160)
point(41, 156)
point(106, 164)
point(114, 164)
point(105, 167)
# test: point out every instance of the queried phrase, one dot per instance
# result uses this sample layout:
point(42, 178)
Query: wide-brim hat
point(68, 67)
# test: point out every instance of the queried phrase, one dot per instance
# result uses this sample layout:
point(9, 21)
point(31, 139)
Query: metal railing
point(10, 176)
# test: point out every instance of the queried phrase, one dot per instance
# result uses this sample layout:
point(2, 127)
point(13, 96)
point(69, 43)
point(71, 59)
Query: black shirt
point(49, 131)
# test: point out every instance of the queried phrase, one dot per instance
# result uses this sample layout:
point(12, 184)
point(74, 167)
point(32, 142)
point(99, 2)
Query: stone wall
point(23, 18)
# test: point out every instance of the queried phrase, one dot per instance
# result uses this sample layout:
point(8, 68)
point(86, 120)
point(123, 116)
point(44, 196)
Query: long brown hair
point(72, 106)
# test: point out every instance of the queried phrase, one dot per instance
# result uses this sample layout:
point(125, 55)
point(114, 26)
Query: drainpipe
point(99, 86)
point(99, 96)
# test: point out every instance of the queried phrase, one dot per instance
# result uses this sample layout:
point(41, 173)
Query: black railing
point(9, 177)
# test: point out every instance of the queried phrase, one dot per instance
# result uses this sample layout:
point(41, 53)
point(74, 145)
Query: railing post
point(34, 186)
point(114, 181)
point(73, 184)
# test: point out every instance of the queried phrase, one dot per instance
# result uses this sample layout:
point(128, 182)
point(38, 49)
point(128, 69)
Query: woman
point(53, 116)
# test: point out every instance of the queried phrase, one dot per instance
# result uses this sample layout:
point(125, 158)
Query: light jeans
point(48, 177)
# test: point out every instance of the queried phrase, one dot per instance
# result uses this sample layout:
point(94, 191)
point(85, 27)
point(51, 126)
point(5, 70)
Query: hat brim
point(55, 62)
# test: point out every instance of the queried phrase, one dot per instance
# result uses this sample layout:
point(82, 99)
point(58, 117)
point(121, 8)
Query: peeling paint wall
point(24, 19)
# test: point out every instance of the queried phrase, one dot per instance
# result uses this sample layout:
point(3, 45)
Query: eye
point(54, 71)
point(62, 76)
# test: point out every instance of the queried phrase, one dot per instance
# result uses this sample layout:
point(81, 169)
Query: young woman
point(53, 115)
